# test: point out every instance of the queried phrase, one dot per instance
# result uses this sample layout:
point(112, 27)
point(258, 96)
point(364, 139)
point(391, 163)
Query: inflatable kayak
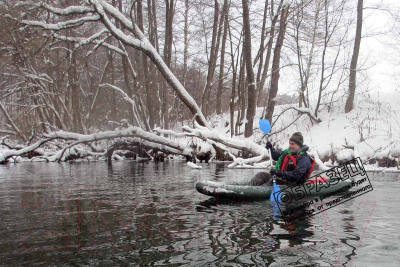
point(240, 190)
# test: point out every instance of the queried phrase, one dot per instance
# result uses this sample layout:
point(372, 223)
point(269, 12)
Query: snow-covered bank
point(370, 131)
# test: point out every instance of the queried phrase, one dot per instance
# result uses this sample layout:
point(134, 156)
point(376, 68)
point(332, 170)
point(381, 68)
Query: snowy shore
point(370, 131)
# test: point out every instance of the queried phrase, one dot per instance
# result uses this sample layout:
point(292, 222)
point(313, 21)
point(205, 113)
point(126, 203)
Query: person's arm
point(275, 154)
point(299, 173)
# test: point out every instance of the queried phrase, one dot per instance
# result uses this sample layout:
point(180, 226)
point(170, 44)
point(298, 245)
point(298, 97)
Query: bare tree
point(332, 22)
point(251, 86)
point(276, 62)
point(222, 61)
point(274, 19)
point(354, 59)
point(212, 62)
point(305, 71)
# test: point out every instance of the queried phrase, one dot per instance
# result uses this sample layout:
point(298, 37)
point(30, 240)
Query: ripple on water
point(223, 233)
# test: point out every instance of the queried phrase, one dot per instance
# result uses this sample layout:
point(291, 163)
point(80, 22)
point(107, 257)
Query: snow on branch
point(318, 161)
point(136, 43)
point(214, 135)
point(244, 162)
point(69, 10)
point(172, 133)
point(59, 25)
point(115, 13)
point(6, 154)
point(128, 132)
point(109, 16)
point(126, 97)
point(91, 39)
point(59, 11)
point(302, 111)
point(140, 42)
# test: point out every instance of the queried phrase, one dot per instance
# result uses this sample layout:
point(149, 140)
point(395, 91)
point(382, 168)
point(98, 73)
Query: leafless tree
point(354, 59)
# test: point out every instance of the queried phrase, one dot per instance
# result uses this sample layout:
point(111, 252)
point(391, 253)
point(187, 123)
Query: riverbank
point(370, 131)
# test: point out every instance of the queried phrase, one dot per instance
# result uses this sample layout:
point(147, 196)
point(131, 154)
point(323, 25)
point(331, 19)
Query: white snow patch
point(194, 166)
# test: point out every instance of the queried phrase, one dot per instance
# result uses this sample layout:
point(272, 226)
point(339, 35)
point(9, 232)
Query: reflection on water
point(144, 213)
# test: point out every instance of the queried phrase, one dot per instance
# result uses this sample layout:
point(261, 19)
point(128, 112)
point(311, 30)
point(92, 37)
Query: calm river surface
point(144, 213)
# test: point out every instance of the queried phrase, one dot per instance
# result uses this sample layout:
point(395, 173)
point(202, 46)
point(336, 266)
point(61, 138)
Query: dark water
point(62, 215)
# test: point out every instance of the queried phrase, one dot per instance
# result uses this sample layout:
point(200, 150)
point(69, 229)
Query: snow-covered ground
point(370, 131)
point(372, 128)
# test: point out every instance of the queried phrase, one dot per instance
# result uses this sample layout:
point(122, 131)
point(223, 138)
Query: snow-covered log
point(150, 140)
point(216, 136)
point(223, 142)
point(318, 161)
point(6, 154)
point(128, 132)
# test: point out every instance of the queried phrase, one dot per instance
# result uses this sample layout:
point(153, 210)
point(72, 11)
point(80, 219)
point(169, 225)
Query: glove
point(275, 172)
point(268, 145)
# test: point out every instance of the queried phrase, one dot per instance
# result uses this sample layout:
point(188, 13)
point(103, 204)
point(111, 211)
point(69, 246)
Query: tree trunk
point(261, 50)
point(354, 59)
point(269, 51)
point(234, 78)
point(75, 98)
point(151, 99)
point(141, 43)
point(125, 69)
point(113, 96)
point(185, 43)
point(153, 89)
point(275, 63)
point(213, 59)
point(241, 95)
point(224, 17)
point(251, 86)
point(170, 11)
point(304, 82)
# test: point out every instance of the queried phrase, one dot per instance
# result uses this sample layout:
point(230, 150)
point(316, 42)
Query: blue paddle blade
point(265, 126)
point(276, 189)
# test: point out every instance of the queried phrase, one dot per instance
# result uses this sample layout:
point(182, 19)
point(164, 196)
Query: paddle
point(265, 126)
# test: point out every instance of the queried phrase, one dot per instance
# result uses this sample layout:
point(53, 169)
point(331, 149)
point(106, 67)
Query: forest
point(92, 77)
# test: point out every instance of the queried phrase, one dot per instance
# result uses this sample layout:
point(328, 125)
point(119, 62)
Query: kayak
point(240, 190)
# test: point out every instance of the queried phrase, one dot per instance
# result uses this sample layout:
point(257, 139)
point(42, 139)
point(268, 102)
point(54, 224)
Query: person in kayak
point(293, 165)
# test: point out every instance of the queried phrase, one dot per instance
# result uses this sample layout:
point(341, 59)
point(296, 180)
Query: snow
point(194, 166)
point(370, 130)
point(60, 25)
point(345, 154)
point(223, 190)
point(286, 3)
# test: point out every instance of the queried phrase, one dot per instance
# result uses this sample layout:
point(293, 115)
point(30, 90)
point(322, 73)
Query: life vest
point(290, 163)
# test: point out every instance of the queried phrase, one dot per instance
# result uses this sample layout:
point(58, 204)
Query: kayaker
point(293, 165)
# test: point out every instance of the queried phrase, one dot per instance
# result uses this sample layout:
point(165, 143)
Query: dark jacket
point(299, 173)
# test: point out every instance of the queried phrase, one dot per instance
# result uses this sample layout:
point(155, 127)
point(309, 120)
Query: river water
point(144, 213)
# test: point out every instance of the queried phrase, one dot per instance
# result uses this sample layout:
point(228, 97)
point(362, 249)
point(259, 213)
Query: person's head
point(296, 142)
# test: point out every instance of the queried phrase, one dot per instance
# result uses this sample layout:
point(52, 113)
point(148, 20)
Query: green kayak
point(240, 190)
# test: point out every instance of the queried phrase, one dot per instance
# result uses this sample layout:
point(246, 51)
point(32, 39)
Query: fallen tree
point(134, 136)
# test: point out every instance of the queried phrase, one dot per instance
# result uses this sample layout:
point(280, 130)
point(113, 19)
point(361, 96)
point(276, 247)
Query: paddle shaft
point(269, 153)
point(270, 158)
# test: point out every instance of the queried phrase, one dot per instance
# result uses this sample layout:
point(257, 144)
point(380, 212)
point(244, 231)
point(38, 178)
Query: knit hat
point(297, 138)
